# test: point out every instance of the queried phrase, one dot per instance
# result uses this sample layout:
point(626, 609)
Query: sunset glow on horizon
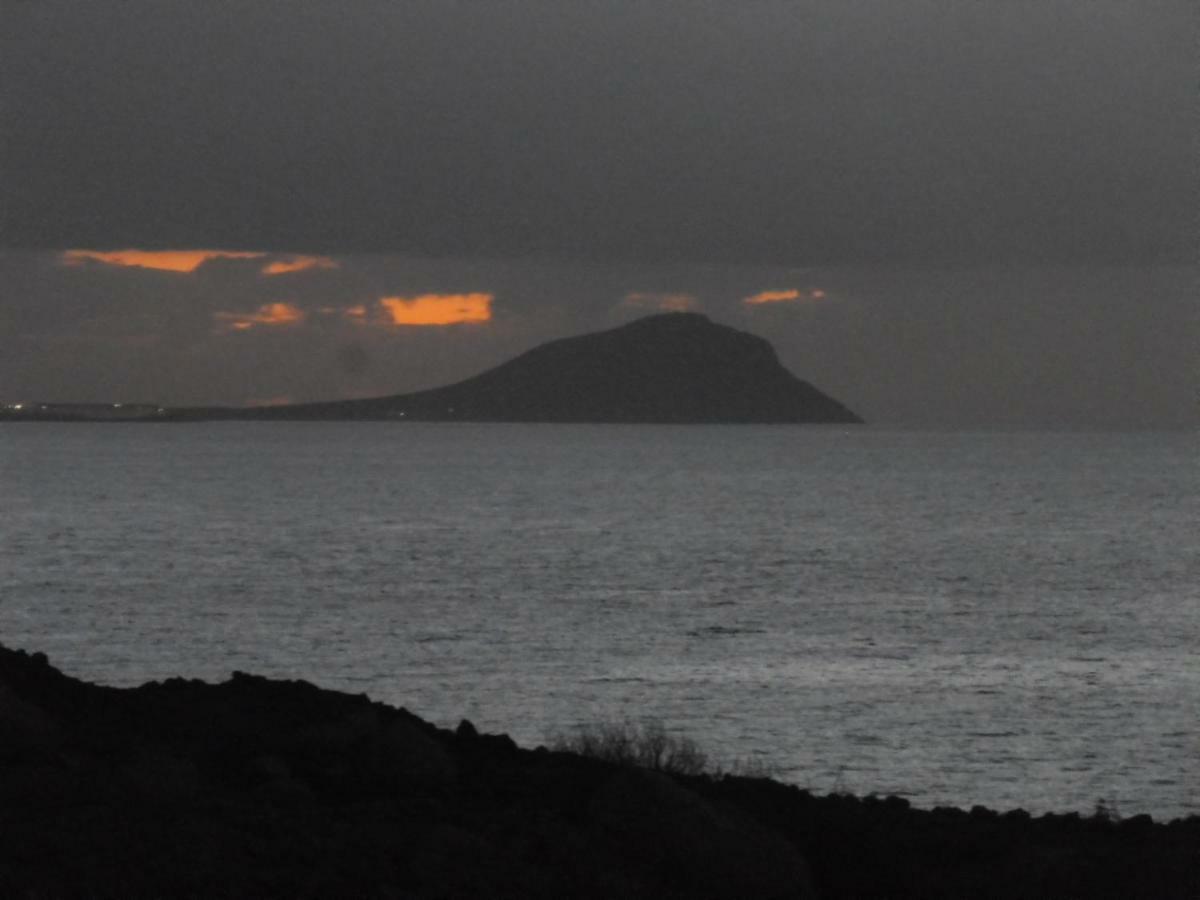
point(438, 309)
point(665, 302)
point(299, 264)
point(425, 309)
point(787, 296)
point(185, 261)
point(188, 261)
point(270, 314)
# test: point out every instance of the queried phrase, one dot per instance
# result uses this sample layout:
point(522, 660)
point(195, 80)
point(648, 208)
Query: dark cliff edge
point(263, 788)
point(675, 368)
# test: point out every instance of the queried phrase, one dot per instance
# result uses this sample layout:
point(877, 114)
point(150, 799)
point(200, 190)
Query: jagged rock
point(414, 760)
point(699, 851)
point(159, 777)
point(25, 728)
point(268, 788)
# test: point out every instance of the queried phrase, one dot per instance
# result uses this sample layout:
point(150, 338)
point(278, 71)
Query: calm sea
point(1010, 619)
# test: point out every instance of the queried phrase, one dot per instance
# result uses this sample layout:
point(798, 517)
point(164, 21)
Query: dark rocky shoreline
point(261, 788)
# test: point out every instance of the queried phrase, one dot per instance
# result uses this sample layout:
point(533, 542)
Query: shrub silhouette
point(1107, 811)
point(647, 745)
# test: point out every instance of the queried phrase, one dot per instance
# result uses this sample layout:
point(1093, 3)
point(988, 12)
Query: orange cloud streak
point(163, 260)
point(665, 302)
point(773, 297)
point(789, 296)
point(299, 264)
point(273, 314)
point(438, 309)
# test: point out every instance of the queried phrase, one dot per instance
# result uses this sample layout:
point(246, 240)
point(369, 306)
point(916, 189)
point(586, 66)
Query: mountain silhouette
point(674, 368)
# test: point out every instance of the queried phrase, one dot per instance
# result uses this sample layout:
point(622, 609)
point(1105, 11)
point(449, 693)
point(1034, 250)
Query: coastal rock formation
point(263, 788)
point(673, 368)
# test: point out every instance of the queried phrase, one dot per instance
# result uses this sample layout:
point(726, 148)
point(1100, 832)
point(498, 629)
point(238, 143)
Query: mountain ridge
point(672, 368)
point(676, 368)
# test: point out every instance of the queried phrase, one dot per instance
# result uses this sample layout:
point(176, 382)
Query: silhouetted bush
point(648, 745)
point(1107, 811)
point(747, 767)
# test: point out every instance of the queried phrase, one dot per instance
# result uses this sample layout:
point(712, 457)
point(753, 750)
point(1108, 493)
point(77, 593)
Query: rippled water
point(1000, 618)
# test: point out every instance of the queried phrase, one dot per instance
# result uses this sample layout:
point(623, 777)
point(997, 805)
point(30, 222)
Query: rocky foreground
point(259, 788)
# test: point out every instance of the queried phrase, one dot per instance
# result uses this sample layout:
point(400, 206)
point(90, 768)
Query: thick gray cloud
point(755, 131)
point(997, 199)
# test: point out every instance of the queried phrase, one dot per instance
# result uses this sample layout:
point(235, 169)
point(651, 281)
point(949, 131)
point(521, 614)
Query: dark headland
point(675, 368)
point(261, 788)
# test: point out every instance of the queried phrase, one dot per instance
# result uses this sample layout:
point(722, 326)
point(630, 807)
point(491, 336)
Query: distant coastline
point(87, 412)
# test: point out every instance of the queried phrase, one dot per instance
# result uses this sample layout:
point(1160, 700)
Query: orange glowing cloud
point(299, 264)
point(789, 296)
point(164, 260)
point(438, 309)
point(270, 314)
point(772, 297)
point(664, 302)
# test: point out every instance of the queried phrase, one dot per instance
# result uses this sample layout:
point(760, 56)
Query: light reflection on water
point(1007, 619)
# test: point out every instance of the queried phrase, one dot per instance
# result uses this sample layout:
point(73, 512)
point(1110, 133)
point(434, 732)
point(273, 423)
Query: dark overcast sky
point(997, 201)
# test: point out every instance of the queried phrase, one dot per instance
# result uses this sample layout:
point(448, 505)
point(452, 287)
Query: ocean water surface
point(1010, 619)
